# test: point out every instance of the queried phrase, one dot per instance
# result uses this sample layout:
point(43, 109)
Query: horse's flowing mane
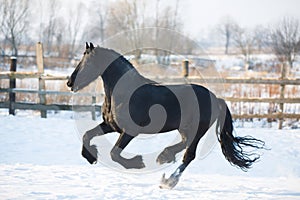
point(118, 55)
point(121, 59)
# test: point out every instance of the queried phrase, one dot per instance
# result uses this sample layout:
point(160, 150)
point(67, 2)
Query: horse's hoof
point(165, 157)
point(90, 153)
point(169, 183)
point(135, 163)
point(138, 160)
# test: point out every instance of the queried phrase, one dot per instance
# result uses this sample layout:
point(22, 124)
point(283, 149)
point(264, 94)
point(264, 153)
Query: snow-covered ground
point(40, 159)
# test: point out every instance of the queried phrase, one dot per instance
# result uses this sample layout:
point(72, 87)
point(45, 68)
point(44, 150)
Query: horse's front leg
point(135, 162)
point(90, 151)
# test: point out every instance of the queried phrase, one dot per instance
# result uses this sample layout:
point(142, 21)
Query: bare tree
point(102, 13)
point(156, 30)
point(168, 18)
point(261, 34)
point(245, 41)
point(226, 29)
point(52, 23)
point(285, 39)
point(128, 15)
point(14, 22)
point(131, 17)
point(59, 35)
point(74, 25)
point(95, 29)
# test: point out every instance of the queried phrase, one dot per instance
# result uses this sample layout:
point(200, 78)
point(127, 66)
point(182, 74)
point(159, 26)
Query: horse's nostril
point(69, 83)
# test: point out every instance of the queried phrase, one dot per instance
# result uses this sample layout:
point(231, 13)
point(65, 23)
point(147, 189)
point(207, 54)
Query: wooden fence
point(43, 107)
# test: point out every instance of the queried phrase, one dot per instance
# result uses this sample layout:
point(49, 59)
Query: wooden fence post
point(185, 68)
point(282, 90)
point(42, 86)
point(12, 85)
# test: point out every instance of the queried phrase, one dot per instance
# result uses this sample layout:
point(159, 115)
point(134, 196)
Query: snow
point(40, 159)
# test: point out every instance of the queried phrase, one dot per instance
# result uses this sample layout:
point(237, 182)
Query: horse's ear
point(91, 46)
point(87, 45)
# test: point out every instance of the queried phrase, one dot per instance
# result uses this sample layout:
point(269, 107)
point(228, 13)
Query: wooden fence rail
point(173, 80)
point(190, 79)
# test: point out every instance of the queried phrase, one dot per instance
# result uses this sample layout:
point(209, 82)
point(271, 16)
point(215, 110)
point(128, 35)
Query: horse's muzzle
point(70, 83)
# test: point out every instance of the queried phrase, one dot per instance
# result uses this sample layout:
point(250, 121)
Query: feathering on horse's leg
point(171, 182)
point(189, 156)
point(90, 151)
point(135, 162)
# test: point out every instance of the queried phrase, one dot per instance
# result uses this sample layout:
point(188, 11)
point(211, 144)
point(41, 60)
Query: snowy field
point(40, 159)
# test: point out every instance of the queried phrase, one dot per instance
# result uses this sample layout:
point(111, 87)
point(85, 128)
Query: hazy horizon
point(199, 15)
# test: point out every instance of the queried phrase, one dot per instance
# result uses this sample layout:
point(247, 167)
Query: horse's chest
point(108, 115)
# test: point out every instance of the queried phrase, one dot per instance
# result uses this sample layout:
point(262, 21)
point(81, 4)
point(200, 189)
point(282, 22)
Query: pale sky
point(201, 14)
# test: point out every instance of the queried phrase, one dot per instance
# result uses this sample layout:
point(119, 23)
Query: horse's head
point(84, 71)
point(94, 62)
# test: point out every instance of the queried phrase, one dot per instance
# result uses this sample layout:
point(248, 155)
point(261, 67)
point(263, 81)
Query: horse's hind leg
point(135, 162)
point(189, 155)
point(169, 153)
point(90, 151)
point(190, 152)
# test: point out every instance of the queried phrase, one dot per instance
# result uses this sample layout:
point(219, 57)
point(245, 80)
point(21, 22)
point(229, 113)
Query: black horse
point(134, 104)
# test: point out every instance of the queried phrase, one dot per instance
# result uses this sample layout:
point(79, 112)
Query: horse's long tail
point(233, 147)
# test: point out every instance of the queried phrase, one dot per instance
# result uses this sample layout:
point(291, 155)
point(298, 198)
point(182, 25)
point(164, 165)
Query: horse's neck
point(115, 72)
